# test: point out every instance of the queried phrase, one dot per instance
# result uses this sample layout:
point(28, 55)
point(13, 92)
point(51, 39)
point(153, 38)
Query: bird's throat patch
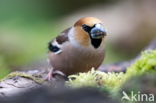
point(96, 42)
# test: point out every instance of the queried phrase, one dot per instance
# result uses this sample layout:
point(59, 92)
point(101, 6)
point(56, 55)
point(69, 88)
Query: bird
point(78, 48)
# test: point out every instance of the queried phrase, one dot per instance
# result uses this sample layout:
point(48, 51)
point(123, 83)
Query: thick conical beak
point(98, 31)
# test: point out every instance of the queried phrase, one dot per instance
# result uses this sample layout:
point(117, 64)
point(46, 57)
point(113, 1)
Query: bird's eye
point(86, 28)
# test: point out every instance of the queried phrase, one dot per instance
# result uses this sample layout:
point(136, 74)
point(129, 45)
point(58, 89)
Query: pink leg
point(49, 75)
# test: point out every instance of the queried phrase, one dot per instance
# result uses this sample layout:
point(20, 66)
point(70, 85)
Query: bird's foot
point(52, 73)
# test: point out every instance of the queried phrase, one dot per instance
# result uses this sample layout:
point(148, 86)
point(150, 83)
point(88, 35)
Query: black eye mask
point(95, 42)
point(87, 28)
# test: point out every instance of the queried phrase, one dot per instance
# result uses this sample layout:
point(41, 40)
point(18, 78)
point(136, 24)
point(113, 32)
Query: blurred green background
point(26, 26)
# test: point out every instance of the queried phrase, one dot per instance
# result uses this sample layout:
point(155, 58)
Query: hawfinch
point(78, 48)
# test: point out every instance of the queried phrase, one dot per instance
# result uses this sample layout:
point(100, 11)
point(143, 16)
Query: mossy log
point(18, 82)
point(23, 81)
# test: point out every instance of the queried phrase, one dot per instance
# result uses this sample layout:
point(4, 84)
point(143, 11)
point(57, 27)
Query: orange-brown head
point(89, 30)
point(90, 21)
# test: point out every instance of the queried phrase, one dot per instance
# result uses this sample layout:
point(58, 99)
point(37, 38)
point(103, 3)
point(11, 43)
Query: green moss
point(112, 81)
point(96, 78)
point(25, 75)
point(146, 63)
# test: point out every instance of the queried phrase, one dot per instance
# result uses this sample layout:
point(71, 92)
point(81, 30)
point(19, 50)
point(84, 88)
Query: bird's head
point(90, 29)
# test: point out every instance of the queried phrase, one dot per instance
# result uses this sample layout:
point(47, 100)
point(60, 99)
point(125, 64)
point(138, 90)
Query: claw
point(59, 72)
